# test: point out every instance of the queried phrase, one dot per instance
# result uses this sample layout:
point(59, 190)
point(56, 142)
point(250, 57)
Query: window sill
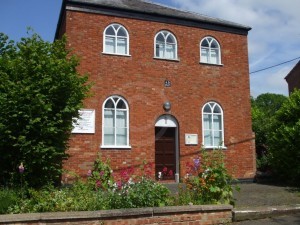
point(115, 147)
point(115, 54)
point(210, 64)
point(215, 147)
point(166, 59)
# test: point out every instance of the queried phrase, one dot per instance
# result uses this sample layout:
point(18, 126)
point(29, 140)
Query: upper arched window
point(210, 51)
point(212, 125)
point(116, 40)
point(165, 45)
point(115, 123)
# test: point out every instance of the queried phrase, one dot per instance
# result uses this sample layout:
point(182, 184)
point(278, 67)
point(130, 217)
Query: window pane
point(109, 136)
point(170, 52)
point(121, 119)
point(160, 38)
point(217, 109)
point(110, 44)
point(208, 138)
point(121, 136)
point(207, 109)
point(217, 122)
point(109, 117)
point(122, 32)
point(109, 104)
point(204, 55)
point(214, 56)
point(214, 44)
point(204, 43)
point(207, 122)
point(170, 40)
point(110, 31)
point(122, 46)
point(121, 105)
point(160, 50)
point(217, 138)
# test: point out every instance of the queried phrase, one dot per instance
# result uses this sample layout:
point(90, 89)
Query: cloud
point(274, 38)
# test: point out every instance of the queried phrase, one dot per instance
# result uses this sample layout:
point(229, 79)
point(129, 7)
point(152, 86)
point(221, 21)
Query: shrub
point(207, 180)
point(40, 94)
point(8, 198)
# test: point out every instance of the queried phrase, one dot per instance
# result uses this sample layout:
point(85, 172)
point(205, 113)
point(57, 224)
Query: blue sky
point(274, 38)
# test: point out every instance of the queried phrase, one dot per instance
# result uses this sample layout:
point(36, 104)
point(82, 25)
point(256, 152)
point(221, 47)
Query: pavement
point(259, 201)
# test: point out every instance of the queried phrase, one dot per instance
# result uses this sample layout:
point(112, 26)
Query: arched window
point(115, 123)
point(210, 51)
point(116, 40)
point(212, 125)
point(165, 45)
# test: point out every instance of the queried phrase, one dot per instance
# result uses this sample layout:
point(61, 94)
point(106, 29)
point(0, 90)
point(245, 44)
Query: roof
point(147, 10)
point(294, 69)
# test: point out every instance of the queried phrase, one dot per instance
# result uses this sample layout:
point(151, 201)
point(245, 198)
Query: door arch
point(167, 147)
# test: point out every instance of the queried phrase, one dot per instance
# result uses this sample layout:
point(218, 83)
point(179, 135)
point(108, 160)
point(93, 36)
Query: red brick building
point(166, 83)
point(293, 78)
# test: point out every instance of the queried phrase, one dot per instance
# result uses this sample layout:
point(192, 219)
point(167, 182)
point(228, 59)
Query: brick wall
point(196, 215)
point(139, 78)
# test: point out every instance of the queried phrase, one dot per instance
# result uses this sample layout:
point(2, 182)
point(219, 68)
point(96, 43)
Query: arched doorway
point(167, 148)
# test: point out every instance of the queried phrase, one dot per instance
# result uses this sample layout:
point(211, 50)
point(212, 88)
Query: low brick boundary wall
point(195, 214)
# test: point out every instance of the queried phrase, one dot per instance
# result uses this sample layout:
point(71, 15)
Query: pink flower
point(98, 184)
point(21, 168)
point(101, 173)
point(119, 184)
point(89, 173)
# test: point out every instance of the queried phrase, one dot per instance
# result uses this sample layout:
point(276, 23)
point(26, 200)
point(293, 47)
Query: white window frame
point(116, 38)
point(115, 119)
point(212, 105)
point(210, 51)
point(165, 34)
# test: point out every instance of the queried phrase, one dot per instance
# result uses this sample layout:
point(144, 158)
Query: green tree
point(284, 141)
point(40, 93)
point(264, 108)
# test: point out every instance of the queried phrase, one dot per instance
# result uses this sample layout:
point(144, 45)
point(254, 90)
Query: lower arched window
point(115, 123)
point(212, 125)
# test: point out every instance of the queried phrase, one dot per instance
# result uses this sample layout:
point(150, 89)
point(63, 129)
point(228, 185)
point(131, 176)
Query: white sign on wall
point(191, 139)
point(86, 122)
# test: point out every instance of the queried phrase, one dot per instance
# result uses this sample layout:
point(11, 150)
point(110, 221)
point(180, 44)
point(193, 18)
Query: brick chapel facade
point(165, 84)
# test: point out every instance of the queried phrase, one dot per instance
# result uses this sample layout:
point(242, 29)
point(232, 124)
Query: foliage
point(285, 140)
point(205, 184)
point(207, 179)
point(101, 175)
point(49, 199)
point(264, 108)
point(8, 198)
point(40, 93)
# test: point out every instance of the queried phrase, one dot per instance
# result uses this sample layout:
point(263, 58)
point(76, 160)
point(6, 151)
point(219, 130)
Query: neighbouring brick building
point(166, 83)
point(293, 78)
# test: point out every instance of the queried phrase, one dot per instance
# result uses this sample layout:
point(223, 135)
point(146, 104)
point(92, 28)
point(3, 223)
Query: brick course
point(139, 78)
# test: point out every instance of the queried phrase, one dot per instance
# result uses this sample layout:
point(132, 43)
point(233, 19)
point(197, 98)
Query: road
point(293, 219)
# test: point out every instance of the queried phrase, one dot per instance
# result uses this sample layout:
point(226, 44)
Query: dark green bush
point(8, 198)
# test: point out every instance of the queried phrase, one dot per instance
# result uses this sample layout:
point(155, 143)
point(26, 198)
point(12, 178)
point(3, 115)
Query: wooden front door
point(165, 148)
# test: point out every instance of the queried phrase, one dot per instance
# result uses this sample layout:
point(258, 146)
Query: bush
point(207, 179)
point(8, 198)
point(40, 94)
point(285, 140)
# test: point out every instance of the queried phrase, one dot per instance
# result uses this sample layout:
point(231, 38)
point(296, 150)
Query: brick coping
point(109, 214)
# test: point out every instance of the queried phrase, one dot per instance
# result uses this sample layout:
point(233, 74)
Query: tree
point(40, 94)
point(263, 109)
point(284, 141)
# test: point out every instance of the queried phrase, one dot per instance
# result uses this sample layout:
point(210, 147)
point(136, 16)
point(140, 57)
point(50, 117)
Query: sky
point(274, 38)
